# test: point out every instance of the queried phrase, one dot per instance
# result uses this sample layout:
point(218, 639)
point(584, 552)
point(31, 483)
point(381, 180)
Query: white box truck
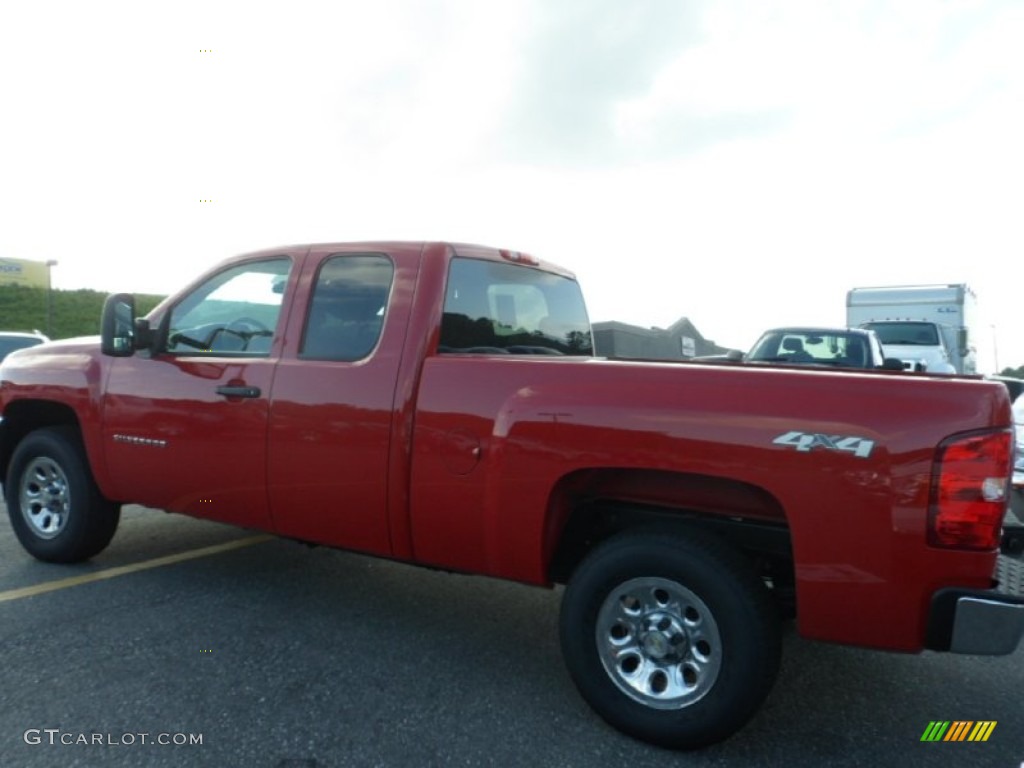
point(928, 327)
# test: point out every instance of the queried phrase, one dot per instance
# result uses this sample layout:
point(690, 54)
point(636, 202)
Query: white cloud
point(742, 163)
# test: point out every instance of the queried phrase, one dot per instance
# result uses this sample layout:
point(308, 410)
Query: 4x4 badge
point(806, 441)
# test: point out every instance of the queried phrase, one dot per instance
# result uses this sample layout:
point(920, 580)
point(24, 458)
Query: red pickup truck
point(440, 404)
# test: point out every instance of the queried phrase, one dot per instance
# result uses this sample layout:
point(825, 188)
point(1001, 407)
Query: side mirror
point(117, 326)
point(961, 340)
point(892, 364)
point(734, 356)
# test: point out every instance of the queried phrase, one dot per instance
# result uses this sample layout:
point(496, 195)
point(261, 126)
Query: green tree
point(74, 313)
point(1017, 373)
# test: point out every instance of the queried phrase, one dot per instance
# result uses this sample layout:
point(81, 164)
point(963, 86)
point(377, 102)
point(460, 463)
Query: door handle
point(238, 391)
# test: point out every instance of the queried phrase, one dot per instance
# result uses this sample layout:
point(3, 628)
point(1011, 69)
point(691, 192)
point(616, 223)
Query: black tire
point(56, 510)
point(670, 637)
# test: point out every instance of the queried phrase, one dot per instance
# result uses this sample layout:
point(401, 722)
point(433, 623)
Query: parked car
point(1013, 385)
point(1017, 494)
point(13, 340)
point(1013, 524)
point(930, 328)
point(834, 347)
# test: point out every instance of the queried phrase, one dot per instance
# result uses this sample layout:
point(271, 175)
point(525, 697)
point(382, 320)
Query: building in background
point(32, 274)
point(680, 341)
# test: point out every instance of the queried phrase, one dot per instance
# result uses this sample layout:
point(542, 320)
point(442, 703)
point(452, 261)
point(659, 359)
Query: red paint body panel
point(467, 461)
point(331, 424)
point(212, 452)
point(857, 524)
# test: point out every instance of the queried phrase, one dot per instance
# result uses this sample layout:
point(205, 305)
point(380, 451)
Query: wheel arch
point(590, 506)
point(24, 416)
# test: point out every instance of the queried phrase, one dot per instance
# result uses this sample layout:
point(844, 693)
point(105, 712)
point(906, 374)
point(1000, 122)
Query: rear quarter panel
point(495, 436)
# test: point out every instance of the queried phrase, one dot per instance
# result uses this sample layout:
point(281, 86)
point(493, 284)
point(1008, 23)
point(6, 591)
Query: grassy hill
point(75, 313)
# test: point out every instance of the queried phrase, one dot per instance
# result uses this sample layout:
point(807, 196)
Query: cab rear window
point(494, 308)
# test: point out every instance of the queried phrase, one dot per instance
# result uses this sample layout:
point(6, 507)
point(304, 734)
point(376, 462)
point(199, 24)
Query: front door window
point(234, 313)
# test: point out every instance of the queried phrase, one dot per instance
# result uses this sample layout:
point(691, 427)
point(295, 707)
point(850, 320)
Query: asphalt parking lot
point(279, 655)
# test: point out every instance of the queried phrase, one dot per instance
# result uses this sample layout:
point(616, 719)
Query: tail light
point(519, 258)
point(969, 490)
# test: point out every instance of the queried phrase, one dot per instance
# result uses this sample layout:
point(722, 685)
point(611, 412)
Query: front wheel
point(56, 510)
point(670, 637)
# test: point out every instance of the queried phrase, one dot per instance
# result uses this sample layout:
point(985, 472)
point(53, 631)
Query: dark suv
point(12, 340)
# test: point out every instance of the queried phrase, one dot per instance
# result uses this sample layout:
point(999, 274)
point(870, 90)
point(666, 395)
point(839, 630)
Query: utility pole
point(995, 350)
point(49, 297)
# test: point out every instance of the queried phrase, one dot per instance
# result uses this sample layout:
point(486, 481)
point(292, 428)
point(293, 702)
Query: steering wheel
point(248, 327)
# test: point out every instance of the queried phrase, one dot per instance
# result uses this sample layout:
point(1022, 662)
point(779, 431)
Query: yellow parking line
point(121, 570)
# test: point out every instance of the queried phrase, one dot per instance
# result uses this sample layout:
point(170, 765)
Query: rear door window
point(346, 313)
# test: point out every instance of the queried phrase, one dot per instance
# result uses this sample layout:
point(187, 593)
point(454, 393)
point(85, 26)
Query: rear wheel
point(56, 510)
point(670, 637)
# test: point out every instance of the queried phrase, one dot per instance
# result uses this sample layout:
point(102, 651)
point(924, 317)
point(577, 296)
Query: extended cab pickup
point(439, 404)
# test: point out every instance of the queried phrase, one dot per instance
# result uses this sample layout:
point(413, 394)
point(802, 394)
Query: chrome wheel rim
point(44, 497)
point(659, 643)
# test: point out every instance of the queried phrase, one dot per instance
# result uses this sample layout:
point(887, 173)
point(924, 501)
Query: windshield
point(922, 334)
point(813, 347)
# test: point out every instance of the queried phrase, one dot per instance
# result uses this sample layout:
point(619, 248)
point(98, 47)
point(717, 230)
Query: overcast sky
point(740, 163)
